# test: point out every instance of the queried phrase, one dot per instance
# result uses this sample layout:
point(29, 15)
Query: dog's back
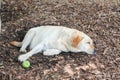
point(49, 33)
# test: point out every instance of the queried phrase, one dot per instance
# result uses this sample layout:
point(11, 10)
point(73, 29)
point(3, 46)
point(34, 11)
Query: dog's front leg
point(39, 48)
point(51, 52)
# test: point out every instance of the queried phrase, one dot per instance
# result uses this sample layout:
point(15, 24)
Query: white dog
point(52, 40)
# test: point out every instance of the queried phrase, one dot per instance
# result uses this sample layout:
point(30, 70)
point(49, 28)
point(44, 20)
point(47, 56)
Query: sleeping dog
point(52, 40)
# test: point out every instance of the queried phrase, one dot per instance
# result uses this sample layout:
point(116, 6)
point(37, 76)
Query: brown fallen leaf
point(68, 69)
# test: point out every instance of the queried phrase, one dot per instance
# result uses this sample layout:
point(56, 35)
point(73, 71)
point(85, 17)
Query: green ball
point(26, 64)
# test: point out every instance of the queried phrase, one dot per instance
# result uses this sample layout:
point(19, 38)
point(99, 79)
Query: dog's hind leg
point(39, 48)
point(27, 40)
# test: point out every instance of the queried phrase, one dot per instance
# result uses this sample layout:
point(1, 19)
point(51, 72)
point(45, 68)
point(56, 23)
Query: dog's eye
point(88, 42)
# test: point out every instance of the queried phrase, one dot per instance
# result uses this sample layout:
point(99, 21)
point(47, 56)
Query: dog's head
point(83, 43)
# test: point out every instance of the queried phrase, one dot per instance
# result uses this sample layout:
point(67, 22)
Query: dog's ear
point(75, 40)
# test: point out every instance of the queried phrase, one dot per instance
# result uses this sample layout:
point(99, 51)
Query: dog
point(52, 40)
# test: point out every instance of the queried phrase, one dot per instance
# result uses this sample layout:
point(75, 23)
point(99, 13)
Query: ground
point(100, 21)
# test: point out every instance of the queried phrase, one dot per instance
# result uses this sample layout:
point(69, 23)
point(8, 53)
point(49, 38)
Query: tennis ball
point(26, 64)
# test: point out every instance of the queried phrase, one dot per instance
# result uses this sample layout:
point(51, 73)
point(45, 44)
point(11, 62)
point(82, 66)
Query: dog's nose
point(94, 51)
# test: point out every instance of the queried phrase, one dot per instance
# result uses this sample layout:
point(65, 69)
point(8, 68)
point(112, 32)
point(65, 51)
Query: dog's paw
point(23, 50)
point(22, 58)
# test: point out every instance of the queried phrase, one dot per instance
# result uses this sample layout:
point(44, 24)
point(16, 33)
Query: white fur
point(52, 40)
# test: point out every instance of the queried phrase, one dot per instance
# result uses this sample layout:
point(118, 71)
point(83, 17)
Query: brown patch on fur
point(75, 41)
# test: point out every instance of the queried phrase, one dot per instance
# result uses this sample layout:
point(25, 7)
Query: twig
point(105, 51)
point(0, 24)
point(0, 16)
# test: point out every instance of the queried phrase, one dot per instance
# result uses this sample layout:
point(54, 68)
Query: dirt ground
point(100, 22)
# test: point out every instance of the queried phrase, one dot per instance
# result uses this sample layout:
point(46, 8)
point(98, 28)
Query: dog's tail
point(15, 43)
